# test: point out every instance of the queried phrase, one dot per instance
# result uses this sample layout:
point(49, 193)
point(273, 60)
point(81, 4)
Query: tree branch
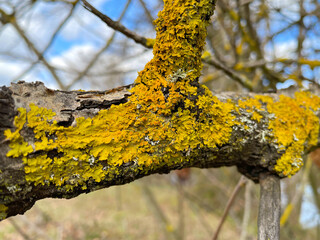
point(65, 161)
point(118, 26)
point(270, 208)
point(242, 182)
point(64, 143)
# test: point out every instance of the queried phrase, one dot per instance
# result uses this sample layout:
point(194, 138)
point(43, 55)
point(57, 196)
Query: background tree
point(244, 45)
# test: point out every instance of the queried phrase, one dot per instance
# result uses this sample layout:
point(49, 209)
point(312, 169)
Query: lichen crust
point(169, 116)
point(293, 126)
point(3, 211)
point(167, 119)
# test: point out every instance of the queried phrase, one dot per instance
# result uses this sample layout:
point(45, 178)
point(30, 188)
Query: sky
point(84, 34)
point(74, 46)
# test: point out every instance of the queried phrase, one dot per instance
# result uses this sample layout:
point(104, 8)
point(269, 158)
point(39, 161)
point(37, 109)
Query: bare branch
point(117, 26)
point(242, 182)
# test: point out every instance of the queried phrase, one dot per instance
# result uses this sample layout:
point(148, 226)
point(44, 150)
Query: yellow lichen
point(251, 105)
point(150, 42)
point(3, 213)
point(294, 126)
point(168, 116)
point(167, 119)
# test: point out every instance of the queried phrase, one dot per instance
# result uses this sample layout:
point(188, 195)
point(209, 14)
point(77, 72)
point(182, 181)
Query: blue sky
point(45, 16)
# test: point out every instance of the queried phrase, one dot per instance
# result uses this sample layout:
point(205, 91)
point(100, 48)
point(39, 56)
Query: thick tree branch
point(251, 145)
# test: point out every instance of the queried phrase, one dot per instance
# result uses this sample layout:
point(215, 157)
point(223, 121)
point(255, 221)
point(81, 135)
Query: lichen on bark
point(169, 121)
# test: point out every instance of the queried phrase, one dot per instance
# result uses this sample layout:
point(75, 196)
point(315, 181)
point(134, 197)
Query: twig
point(235, 192)
point(197, 210)
point(229, 72)
point(298, 195)
point(146, 10)
point(158, 212)
point(19, 230)
point(116, 25)
point(10, 19)
point(98, 54)
point(199, 202)
point(181, 197)
point(314, 187)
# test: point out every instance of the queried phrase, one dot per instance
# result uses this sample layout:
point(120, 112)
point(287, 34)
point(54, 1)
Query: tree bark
point(247, 148)
point(270, 207)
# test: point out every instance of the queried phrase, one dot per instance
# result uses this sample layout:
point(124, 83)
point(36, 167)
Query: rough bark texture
point(246, 149)
point(269, 210)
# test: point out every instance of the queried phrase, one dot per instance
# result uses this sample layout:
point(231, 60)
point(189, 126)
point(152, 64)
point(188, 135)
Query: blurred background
point(252, 45)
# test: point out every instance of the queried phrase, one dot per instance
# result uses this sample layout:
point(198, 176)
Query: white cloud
point(285, 49)
point(84, 25)
point(290, 8)
point(9, 71)
point(12, 44)
point(75, 58)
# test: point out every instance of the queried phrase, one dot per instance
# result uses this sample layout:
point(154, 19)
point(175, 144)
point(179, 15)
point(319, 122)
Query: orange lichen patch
point(295, 127)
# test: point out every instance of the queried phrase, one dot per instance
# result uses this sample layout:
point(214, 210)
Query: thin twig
point(181, 197)
point(19, 229)
point(10, 19)
point(159, 213)
point(197, 210)
point(116, 25)
point(98, 54)
point(298, 195)
point(49, 43)
point(235, 192)
point(229, 72)
point(146, 10)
